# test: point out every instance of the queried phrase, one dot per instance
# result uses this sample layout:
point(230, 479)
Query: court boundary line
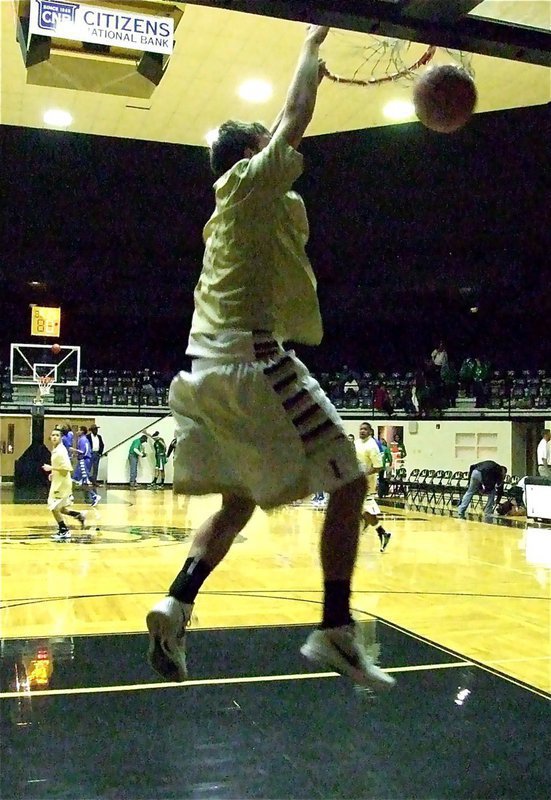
point(252, 593)
point(475, 662)
point(299, 676)
point(18, 602)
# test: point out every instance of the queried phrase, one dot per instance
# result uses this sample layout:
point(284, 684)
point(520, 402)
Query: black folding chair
point(440, 486)
point(421, 485)
point(398, 483)
point(412, 482)
point(453, 493)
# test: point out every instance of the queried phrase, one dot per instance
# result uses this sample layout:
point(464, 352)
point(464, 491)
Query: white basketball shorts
point(59, 502)
point(261, 429)
point(370, 505)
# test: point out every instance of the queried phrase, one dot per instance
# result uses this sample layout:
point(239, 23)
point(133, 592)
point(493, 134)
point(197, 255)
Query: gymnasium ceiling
point(217, 49)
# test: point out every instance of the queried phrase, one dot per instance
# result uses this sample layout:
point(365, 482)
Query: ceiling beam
point(393, 18)
point(438, 10)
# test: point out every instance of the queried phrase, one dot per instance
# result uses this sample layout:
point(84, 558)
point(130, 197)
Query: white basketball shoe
point(341, 650)
point(166, 623)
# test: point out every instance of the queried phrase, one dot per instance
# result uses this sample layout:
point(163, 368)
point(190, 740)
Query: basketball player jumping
point(253, 425)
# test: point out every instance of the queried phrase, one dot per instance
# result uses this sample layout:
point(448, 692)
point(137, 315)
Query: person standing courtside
point(487, 477)
point(67, 438)
point(136, 451)
point(81, 474)
point(544, 455)
point(371, 459)
point(97, 447)
point(253, 424)
point(386, 472)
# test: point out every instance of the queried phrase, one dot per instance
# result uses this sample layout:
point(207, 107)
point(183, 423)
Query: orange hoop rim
point(422, 61)
point(45, 383)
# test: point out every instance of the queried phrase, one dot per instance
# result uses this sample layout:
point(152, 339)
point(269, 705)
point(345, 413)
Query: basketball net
point(357, 59)
point(45, 383)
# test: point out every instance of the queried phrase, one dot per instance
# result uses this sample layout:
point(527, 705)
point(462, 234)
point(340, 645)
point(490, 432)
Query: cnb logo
point(51, 14)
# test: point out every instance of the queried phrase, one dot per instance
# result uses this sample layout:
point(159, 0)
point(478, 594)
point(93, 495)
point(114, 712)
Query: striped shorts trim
point(313, 425)
point(264, 345)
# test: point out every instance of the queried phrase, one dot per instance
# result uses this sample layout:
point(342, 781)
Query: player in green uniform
point(159, 450)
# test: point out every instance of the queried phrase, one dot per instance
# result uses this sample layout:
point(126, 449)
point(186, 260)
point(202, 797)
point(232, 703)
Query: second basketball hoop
point(44, 383)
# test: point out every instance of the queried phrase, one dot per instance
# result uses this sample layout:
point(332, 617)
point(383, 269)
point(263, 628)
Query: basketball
point(56, 349)
point(444, 98)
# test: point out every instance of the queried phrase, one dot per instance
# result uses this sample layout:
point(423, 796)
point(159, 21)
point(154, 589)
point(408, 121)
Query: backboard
point(31, 362)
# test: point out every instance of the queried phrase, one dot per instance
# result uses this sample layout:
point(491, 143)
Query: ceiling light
point(57, 118)
point(211, 136)
point(398, 110)
point(255, 91)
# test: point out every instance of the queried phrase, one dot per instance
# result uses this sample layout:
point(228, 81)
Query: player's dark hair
point(232, 140)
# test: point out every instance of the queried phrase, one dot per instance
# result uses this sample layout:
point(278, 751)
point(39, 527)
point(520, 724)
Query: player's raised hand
point(317, 33)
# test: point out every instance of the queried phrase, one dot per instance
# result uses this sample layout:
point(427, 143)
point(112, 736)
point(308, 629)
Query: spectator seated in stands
point(351, 399)
point(148, 392)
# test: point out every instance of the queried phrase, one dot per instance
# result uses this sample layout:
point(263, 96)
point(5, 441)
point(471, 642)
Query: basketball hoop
point(403, 71)
point(45, 383)
point(354, 59)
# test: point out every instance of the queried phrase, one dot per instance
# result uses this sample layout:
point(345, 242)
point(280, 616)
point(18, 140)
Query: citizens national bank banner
point(83, 23)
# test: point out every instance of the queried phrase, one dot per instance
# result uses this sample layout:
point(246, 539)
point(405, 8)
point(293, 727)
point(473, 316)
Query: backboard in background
point(29, 363)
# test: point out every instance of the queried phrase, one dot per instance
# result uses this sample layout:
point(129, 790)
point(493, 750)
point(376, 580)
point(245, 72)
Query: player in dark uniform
point(159, 449)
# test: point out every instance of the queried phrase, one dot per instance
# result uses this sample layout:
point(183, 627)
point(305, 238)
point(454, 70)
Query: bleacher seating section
point(503, 390)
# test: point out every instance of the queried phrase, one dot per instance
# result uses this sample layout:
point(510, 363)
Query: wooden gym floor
point(458, 610)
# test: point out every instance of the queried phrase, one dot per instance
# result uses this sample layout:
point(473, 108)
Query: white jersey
point(61, 486)
point(370, 457)
point(256, 275)
point(543, 453)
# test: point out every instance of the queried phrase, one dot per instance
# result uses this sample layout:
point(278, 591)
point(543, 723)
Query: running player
point(371, 458)
point(253, 425)
point(60, 496)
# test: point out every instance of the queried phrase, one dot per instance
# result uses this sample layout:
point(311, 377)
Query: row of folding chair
point(438, 487)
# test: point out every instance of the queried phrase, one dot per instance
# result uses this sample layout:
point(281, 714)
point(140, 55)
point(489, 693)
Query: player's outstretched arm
point(322, 71)
point(302, 93)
